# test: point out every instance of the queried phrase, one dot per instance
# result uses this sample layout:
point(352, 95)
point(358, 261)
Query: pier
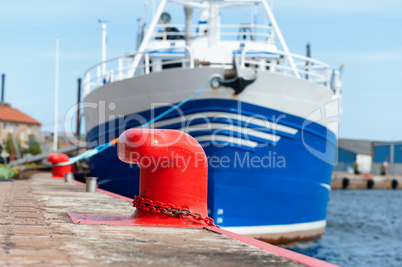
point(36, 230)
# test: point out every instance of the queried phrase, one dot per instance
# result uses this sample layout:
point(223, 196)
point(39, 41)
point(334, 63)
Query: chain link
point(168, 209)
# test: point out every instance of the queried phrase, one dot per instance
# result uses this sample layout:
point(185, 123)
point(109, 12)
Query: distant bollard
point(370, 184)
point(91, 184)
point(68, 177)
point(394, 184)
point(345, 183)
point(57, 170)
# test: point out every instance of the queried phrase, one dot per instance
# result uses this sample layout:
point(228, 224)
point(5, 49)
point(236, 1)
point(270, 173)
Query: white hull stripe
point(327, 186)
point(277, 229)
point(209, 116)
point(226, 139)
point(216, 127)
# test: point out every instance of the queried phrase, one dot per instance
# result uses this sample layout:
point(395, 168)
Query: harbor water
point(364, 228)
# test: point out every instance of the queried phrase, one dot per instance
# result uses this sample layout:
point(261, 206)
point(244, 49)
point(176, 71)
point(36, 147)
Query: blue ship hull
point(275, 183)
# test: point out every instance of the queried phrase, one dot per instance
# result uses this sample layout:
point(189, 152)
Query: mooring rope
point(96, 150)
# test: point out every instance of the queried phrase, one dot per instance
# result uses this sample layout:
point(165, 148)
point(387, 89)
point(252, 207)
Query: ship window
point(174, 34)
point(245, 32)
point(170, 66)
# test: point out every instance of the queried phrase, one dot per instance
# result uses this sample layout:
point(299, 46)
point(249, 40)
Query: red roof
point(7, 113)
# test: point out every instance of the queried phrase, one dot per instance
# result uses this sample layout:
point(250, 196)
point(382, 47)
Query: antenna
point(104, 41)
point(308, 54)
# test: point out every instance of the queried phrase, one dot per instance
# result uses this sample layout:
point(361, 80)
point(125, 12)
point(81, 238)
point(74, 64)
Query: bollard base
point(139, 218)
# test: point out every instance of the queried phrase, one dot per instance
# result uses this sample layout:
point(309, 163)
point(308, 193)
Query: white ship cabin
point(212, 34)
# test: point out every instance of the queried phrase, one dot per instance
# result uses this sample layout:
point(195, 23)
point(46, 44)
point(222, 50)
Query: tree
point(9, 144)
point(34, 147)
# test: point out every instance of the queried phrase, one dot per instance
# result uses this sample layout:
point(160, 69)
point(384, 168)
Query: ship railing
point(120, 68)
point(278, 61)
point(251, 32)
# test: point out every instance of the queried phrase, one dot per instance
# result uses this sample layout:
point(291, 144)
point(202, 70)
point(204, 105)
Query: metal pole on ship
point(56, 96)
point(104, 40)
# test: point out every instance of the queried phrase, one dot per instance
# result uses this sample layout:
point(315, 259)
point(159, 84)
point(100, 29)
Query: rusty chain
point(168, 209)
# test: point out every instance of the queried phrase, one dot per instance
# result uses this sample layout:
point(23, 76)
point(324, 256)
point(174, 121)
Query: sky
point(364, 36)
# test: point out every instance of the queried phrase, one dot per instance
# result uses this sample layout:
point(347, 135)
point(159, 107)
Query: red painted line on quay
point(78, 182)
point(294, 256)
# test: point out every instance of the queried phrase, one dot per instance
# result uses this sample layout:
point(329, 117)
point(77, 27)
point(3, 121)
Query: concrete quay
point(360, 181)
point(35, 230)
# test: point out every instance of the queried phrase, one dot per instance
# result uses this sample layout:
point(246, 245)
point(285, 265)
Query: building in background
point(18, 124)
point(351, 151)
point(387, 153)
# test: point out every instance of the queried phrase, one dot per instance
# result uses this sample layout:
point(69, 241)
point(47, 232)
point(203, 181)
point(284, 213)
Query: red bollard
point(59, 171)
point(173, 168)
point(173, 180)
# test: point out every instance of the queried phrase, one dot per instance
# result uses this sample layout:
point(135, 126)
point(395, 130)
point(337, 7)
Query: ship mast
point(280, 38)
point(213, 24)
point(147, 37)
point(188, 11)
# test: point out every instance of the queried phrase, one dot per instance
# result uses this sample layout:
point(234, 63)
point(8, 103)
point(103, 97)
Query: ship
point(266, 118)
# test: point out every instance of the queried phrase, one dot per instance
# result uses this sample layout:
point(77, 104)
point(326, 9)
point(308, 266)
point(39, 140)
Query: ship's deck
point(36, 230)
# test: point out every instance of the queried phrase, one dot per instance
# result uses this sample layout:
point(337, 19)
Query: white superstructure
point(210, 43)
